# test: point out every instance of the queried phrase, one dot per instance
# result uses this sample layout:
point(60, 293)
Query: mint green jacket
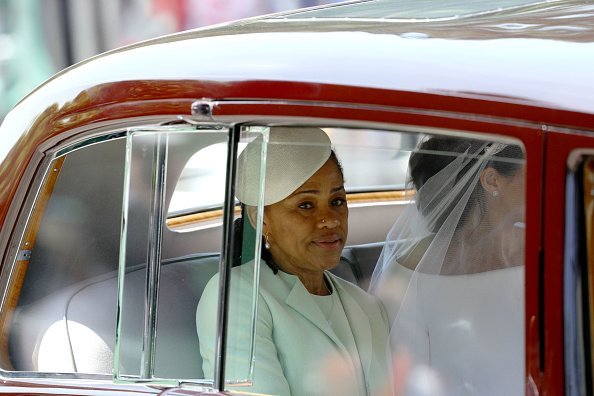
point(296, 351)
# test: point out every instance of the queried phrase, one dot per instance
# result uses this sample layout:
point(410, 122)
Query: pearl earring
point(266, 243)
point(495, 193)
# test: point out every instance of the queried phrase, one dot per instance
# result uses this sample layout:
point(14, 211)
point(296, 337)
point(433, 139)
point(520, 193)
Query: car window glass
point(373, 160)
point(201, 185)
point(156, 271)
point(69, 248)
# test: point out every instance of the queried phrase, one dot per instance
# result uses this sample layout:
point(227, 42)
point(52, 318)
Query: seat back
point(73, 329)
point(361, 260)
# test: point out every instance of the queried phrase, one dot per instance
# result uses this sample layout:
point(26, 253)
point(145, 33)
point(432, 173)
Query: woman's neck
point(490, 244)
point(314, 282)
point(315, 285)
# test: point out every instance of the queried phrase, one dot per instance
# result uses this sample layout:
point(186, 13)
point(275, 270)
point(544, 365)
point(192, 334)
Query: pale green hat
point(294, 154)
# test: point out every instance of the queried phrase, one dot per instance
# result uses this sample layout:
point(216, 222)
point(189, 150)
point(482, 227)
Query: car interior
point(65, 320)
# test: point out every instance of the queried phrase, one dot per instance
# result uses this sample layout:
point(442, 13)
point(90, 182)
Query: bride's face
point(512, 196)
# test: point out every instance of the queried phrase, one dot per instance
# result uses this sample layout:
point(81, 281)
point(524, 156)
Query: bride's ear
point(491, 181)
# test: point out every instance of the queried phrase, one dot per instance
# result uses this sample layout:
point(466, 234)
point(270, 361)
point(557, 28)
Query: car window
point(70, 244)
point(107, 244)
point(451, 274)
point(170, 271)
point(66, 291)
point(473, 311)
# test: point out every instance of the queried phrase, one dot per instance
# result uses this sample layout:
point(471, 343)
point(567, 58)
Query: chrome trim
point(90, 384)
point(12, 252)
point(153, 270)
point(202, 109)
point(15, 222)
point(21, 203)
point(118, 130)
point(576, 157)
point(226, 259)
point(122, 260)
point(322, 122)
point(41, 375)
point(24, 255)
point(80, 134)
point(89, 142)
point(384, 108)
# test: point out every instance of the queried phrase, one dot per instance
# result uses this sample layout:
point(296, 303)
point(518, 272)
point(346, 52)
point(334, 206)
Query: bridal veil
point(451, 273)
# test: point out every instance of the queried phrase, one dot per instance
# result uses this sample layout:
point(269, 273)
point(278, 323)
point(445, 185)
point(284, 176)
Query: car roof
point(467, 26)
point(408, 9)
point(540, 54)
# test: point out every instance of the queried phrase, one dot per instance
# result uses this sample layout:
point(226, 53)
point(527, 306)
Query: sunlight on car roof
point(409, 9)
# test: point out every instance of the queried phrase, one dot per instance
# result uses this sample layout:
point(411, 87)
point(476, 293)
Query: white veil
point(451, 271)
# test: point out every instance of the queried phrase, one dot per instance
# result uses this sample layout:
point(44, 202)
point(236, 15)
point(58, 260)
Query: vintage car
point(117, 180)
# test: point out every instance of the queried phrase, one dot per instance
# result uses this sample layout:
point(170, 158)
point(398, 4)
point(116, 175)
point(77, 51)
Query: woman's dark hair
point(334, 158)
point(239, 226)
point(238, 234)
point(238, 237)
point(437, 152)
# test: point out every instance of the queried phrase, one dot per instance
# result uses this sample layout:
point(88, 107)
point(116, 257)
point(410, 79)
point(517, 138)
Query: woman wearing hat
point(315, 333)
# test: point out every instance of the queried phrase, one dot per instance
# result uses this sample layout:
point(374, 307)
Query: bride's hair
point(436, 152)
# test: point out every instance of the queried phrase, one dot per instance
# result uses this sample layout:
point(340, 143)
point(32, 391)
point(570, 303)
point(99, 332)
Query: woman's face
point(308, 229)
point(513, 195)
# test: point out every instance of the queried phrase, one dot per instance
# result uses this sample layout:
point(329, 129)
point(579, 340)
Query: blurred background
point(41, 37)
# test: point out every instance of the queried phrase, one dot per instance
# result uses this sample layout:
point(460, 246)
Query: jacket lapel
point(359, 323)
point(300, 300)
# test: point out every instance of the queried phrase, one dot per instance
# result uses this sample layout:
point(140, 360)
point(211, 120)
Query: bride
point(451, 274)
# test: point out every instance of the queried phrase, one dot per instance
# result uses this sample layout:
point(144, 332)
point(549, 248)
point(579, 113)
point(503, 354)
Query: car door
point(150, 264)
point(567, 260)
point(355, 128)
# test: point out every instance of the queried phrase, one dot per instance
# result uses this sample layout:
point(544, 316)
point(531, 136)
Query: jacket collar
point(299, 299)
